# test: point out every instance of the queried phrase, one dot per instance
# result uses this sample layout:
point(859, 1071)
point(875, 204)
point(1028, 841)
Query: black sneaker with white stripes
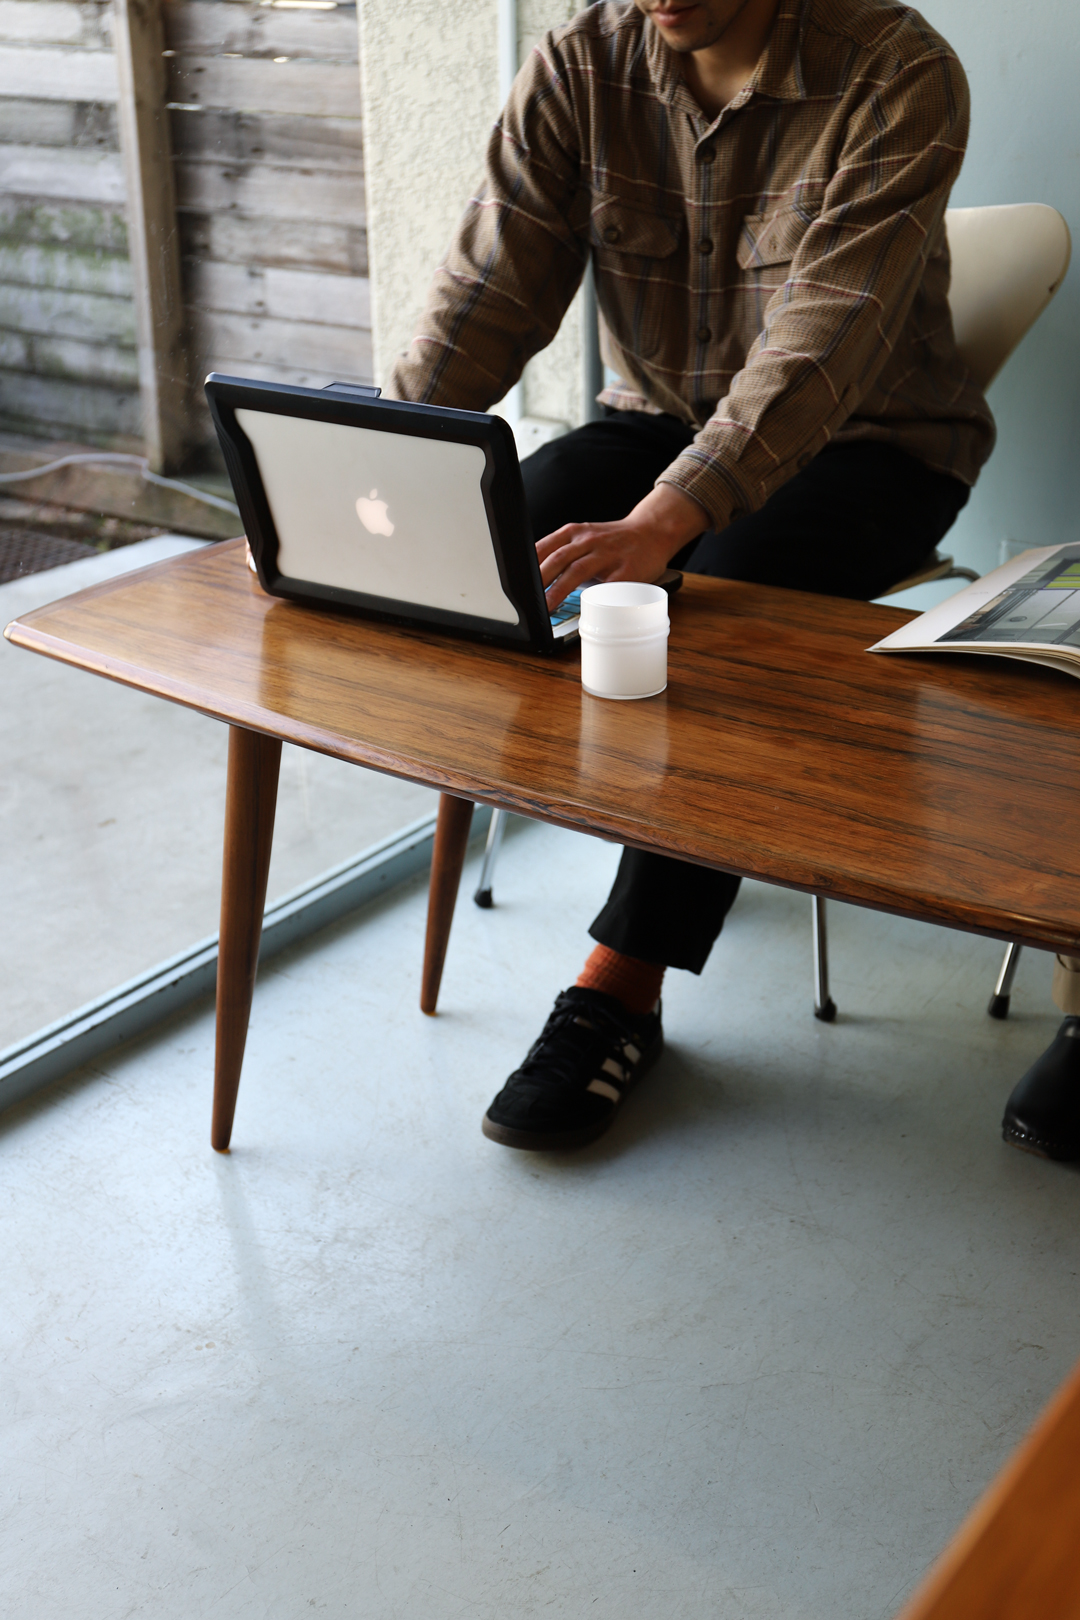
point(590, 1053)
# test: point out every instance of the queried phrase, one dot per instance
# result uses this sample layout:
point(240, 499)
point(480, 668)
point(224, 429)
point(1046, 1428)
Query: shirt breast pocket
point(772, 239)
point(630, 247)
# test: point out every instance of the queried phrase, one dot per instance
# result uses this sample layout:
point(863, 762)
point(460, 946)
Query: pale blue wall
point(1023, 62)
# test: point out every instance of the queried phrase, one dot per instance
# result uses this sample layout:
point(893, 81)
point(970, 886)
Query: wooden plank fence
point(266, 137)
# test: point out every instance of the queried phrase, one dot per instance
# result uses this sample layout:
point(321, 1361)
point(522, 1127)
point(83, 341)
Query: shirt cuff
point(711, 483)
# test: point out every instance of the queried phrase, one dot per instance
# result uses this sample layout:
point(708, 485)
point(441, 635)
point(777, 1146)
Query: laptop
point(409, 513)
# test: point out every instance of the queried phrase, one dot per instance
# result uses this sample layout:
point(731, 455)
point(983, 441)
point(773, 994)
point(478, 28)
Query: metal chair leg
point(824, 1005)
point(491, 854)
point(999, 1001)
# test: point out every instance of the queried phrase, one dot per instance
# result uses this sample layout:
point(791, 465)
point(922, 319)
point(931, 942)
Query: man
point(1042, 1115)
point(761, 187)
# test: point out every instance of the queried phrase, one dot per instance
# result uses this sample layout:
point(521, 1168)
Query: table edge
point(565, 813)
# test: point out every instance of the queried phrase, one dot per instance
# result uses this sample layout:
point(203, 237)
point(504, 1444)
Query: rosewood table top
point(941, 788)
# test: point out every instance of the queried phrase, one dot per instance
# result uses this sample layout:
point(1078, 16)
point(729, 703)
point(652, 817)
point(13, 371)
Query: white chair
point(1007, 264)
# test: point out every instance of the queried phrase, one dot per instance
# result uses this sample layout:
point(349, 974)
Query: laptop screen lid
point(403, 512)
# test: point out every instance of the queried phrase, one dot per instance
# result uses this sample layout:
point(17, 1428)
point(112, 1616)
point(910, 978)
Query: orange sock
point(636, 984)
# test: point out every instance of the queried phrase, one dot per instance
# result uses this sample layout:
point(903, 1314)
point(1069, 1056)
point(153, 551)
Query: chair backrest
point(1007, 264)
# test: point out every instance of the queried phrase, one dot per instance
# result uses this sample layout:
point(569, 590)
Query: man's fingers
point(559, 538)
point(580, 552)
point(557, 565)
point(556, 560)
point(573, 572)
point(577, 573)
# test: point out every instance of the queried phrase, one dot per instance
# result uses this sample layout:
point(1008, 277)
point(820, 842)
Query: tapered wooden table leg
point(250, 801)
point(448, 857)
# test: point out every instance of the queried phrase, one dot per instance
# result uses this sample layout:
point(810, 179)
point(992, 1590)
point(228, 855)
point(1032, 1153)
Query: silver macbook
point(402, 512)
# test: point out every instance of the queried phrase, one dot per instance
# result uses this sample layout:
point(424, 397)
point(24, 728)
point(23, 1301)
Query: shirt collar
point(779, 74)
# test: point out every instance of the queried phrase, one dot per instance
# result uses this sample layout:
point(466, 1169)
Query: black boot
point(1043, 1113)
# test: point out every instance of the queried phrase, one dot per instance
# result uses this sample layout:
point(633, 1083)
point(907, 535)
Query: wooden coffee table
point(940, 788)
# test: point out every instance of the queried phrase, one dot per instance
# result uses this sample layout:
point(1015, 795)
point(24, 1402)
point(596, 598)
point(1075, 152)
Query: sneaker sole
point(539, 1141)
point(1040, 1147)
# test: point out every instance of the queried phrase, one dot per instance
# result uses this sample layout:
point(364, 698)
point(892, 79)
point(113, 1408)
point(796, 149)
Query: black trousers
point(859, 518)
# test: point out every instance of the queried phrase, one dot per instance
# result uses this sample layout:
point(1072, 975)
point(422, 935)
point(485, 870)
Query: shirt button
point(611, 233)
point(707, 155)
point(704, 333)
point(705, 245)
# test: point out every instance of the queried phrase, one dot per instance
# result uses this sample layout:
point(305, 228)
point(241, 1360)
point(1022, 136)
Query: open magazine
point(1029, 609)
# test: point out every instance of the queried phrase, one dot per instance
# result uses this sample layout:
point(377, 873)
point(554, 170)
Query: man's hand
point(639, 547)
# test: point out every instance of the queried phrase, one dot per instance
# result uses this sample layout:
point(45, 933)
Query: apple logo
point(372, 514)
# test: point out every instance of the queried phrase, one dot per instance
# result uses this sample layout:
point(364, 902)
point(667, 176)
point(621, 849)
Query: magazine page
point(1029, 608)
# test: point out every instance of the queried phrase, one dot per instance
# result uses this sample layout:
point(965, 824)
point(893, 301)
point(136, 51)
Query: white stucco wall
point(554, 382)
point(430, 91)
point(431, 94)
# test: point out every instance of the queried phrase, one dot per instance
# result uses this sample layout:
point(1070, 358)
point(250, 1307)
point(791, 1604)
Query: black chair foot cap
point(999, 1006)
point(483, 899)
point(826, 1013)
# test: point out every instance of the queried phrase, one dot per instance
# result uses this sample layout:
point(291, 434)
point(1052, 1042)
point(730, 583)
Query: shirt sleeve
point(831, 327)
point(516, 259)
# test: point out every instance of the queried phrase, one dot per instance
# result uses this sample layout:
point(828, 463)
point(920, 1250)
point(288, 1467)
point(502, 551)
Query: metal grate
point(29, 551)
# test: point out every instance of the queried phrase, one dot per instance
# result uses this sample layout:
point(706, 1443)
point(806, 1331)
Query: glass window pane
point(111, 807)
point(111, 803)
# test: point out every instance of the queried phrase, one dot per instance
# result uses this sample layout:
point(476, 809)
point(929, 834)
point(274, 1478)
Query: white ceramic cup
point(624, 636)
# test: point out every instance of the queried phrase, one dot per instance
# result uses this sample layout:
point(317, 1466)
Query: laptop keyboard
point(568, 609)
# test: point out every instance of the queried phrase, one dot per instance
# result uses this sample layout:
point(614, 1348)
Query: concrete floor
point(750, 1357)
point(111, 806)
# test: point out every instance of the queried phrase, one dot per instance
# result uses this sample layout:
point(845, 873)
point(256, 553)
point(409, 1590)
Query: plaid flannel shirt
point(776, 277)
